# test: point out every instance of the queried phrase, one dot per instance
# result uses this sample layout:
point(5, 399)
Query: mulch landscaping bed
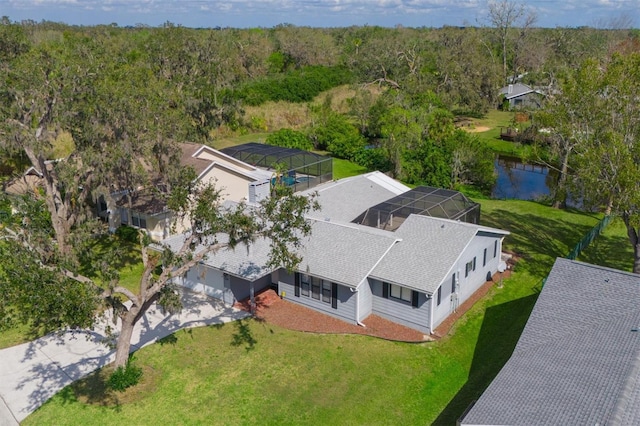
point(274, 310)
point(281, 312)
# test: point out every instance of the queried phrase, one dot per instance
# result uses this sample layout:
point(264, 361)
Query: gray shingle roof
point(428, 250)
point(345, 199)
point(344, 253)
point(517, 89)
point(248, 263)
point(341, 253)
point(578, 359)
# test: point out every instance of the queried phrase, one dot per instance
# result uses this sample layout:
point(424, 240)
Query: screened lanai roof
point(266, 156)
point(423, 200)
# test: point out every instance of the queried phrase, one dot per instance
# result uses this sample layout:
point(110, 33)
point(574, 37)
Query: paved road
point(33, 372)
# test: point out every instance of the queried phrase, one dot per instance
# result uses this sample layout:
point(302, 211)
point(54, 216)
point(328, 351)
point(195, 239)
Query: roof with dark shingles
point(145, 201)
point(428, 250)
point(578, 359)
point(187, 159)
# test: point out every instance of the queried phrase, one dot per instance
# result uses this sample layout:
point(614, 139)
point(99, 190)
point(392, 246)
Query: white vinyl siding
point(400, 311)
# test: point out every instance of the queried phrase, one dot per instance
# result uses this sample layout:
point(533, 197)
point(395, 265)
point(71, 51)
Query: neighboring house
point(578, 359)
point(521, 96)
point(238, 180)
point(29, 182)
point(416, 274)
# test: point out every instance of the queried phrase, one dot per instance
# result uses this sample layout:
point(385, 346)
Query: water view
point(522, 181)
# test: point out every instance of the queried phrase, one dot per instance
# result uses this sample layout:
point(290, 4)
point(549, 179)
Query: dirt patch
point(477, 129)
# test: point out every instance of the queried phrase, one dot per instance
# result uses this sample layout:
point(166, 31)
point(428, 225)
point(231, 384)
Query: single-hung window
point(304, 284)
point(326, 291)
point(401, 293)
point(468, 267)
point(315, 288)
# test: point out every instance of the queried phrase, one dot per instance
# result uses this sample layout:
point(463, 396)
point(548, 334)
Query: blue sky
point(315, 13)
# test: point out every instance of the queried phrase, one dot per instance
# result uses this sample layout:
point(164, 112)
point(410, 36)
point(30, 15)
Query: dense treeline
point(117, 87)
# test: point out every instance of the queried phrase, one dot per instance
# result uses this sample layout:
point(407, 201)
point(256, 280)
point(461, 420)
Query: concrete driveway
point(33, 372)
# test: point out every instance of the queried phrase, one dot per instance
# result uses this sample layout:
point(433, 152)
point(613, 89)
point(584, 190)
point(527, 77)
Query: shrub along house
point(414, 269)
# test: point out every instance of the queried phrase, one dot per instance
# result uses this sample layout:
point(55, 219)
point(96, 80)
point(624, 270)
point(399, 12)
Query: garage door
point(205, 280)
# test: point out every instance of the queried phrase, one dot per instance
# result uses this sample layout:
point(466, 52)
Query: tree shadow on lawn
point(537, 240)
point(129, 253)
point(499, 333)
point(610, 251)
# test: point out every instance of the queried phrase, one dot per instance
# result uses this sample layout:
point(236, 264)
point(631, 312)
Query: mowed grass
point(345, 168)
point(130, 268)
point(251, 372)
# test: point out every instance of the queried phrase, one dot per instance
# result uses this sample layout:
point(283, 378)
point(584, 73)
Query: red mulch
point(274, 310)
point(281, 312)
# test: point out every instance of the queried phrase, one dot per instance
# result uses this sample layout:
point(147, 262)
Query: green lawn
point(203, 376)
point(130, 267)
point(345, 168)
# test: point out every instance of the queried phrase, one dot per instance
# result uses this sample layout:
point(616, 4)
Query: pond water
point(518, 180)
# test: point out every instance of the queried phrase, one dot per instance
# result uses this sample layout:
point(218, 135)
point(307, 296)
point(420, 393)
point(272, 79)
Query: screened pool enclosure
point(303, 169)
point(423, 200)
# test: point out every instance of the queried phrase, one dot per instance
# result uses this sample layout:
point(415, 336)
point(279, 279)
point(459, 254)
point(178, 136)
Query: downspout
point(431, 299)
point(397, 240)
point(355, 291)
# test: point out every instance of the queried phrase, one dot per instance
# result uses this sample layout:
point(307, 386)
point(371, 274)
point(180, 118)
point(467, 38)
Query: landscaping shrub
point(338, 136)
point(374, 159)
point(125, 377)
point(296, 86)
point(127, 233)
point(288, 138)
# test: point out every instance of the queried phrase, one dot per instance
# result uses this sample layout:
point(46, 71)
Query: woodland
point(93, 108)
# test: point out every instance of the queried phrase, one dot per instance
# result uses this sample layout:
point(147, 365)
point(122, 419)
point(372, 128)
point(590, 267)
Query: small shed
point(521, 96)
point(425, 201)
